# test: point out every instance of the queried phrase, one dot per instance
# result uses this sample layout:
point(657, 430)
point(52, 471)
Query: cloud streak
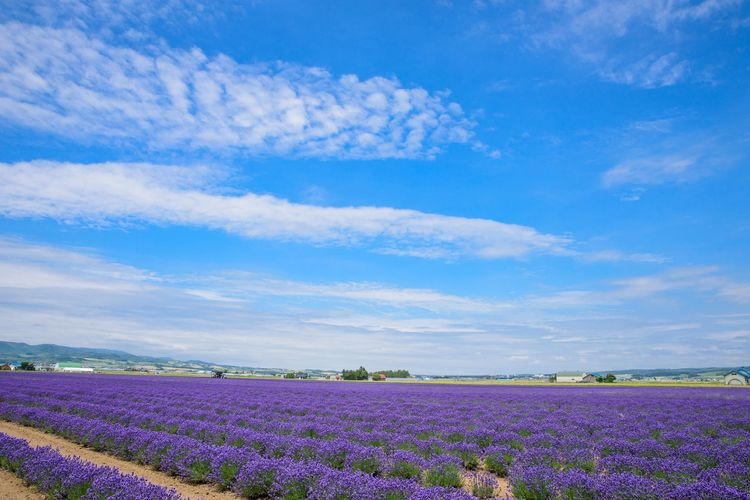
point(245, 286)
point(114, 193)
point(63, 82)
point(651, 170)
point(676, 161)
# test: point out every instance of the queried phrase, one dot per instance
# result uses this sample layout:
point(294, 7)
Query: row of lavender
point(552, 441)
point(71, 478)
point(241, 470)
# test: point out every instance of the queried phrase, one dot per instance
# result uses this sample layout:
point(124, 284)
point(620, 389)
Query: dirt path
point(39, 438)
point(12, 488)
point(502, 490)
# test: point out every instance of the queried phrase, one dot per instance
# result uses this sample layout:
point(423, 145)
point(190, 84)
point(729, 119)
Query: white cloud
point(30, 276)
point(28, 266)
point(650, 72)
point(238, 285)
point(73, 297)
point(739, 292)
point(690, 279)
point(111, 193)
point(736, 335)
point(406, 325)
point(519, 357)
point(652, 170)
point(108, 18)
point(705, 280)
point(653, 155)
point(567, 340)
point(63, 82)
point(633, 43)
point(701, 281)
point(616, 256)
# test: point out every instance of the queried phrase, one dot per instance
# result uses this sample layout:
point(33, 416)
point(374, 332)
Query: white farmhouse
point(72, 368)
point(574, 377)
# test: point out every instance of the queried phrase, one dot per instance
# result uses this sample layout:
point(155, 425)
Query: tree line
point(361, 373)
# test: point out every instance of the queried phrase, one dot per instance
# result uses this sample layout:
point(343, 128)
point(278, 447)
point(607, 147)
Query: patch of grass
point(406, 470)
point(447, 476)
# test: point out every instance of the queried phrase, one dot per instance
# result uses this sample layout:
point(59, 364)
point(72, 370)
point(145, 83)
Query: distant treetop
point(394, 373)
point(358, 374)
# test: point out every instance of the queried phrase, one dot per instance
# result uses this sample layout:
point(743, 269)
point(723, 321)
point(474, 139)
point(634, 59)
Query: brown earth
point(12, 488)
point(502, 488)
point(38, 438)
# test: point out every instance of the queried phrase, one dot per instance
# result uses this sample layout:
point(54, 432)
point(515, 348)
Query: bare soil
point(38, 438)
point(502, 488)
point(12, 488)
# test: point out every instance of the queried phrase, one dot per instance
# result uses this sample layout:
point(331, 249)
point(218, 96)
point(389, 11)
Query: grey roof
point(571, 374)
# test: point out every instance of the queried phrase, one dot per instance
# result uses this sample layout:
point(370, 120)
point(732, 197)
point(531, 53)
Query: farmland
point(277, 439)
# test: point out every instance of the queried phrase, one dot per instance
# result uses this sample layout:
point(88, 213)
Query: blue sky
point(449, 187)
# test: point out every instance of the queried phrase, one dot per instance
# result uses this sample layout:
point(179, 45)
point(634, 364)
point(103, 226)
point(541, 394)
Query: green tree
point(27, 366)
point(394, 373)
point(358, 374)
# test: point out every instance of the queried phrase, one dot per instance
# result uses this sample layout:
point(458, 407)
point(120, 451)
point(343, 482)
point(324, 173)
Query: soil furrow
point(12, 488)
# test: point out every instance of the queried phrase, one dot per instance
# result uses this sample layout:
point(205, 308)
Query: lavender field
point(326, 440)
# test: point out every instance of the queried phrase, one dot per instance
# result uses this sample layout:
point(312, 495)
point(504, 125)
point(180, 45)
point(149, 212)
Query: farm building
point(576, 377)
point(72, 368)
point(740, 376)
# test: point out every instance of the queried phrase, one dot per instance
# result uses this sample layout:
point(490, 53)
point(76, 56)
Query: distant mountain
point(52, 353)
point(110, 359)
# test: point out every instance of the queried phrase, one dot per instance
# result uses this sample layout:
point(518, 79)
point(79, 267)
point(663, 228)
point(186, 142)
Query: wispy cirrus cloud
point(26, 265)
point(113, 193)
point(616, 256)
point(700, 281)
point(637, 43)
point(108, 18)
point(679, 159)
point(244, 286)
point(651, 71)
point(67, 83)
point(651, 170)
